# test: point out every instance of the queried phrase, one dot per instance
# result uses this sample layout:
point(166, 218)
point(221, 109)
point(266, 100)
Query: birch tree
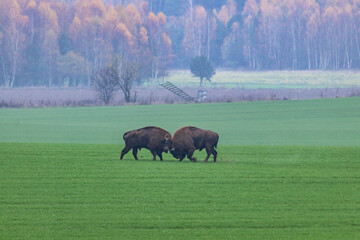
point(199, 31)
point(250, 15)
point(14, 34)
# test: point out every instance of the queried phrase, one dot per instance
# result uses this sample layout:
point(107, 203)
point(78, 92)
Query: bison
point(156, 139)
point(187, 139)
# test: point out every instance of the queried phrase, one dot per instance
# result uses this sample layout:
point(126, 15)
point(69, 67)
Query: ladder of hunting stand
point(177, 91)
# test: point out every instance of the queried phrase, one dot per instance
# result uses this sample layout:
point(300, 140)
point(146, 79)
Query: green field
point(327, 122)
point(285, 170)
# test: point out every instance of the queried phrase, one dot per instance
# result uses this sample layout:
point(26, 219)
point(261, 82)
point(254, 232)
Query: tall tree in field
point(202, 68)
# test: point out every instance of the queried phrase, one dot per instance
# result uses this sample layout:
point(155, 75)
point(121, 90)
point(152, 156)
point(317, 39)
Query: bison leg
point(160, 156)
point(154, 155)
point(190, 154)
point(208, 151)
point(135, 150)
point(214, 152)
point(124, 151)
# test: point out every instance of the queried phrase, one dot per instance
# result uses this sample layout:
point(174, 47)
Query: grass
point(270, 79)
point(285, 170)
point(310, 122)
point(63, 191)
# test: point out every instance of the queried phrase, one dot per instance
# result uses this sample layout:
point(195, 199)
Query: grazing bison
point(187, 139)
point(156, 139)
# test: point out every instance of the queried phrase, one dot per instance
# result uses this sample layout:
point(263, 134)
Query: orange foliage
point(133, 14)
point(110, 20)
point(330, 14)
point(153, 23)
point(200, 15)
point(14, 30)
point(75, 27)
point(89, 8)
point(251, 9)
point(231, 5)
point(49, 16)
point(97, 7)
point(17, 20)
point(162, 18)
point(314, 21)
point(123, 31)
point(166, 40)
point(144, 8)
point(4, 8)
point(31, 5)
point(143, 36)
point(223, 15)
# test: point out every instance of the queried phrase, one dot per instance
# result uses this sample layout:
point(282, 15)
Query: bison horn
point(166, 137)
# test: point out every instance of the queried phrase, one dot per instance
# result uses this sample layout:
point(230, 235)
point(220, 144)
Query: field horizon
point(327, 122)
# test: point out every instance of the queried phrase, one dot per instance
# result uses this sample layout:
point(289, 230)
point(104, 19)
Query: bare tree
point(106, 83)
point(118, 75)
point(128, 72)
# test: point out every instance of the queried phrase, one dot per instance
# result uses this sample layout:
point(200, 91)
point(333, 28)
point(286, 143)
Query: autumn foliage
point(40, 38)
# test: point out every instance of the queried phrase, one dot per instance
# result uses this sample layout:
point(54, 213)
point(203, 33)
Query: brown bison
point(156, 139)
point(187, 139)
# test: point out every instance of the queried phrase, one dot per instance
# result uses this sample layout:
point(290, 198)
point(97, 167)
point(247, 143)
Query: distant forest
point(64, 42)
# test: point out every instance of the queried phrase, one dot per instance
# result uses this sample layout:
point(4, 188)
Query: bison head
point(166, 143)
point(176, 152)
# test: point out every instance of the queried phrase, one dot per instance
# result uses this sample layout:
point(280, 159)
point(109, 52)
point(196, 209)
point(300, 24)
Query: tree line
point(65, 42)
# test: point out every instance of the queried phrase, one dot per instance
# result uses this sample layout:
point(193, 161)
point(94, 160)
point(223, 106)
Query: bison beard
point(156, 139)
point(187, 139)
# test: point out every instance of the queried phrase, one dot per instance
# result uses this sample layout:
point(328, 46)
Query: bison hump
point(193, 128)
